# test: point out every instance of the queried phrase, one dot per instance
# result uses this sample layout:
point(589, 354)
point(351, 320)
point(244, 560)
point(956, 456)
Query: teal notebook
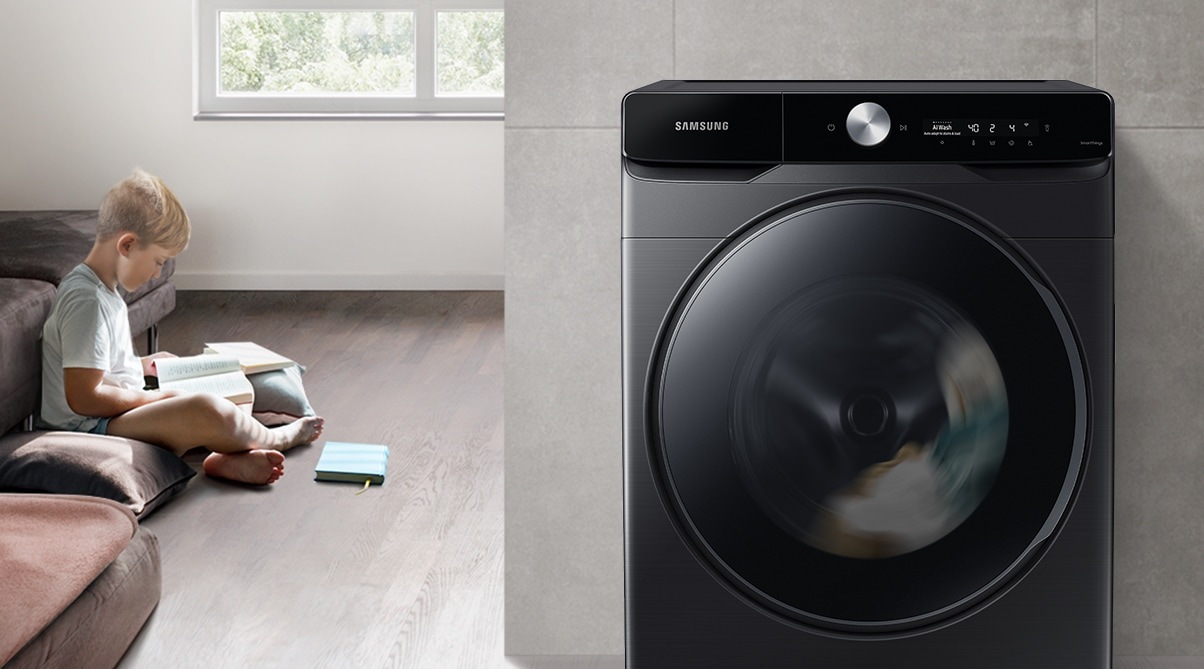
point(357, 463)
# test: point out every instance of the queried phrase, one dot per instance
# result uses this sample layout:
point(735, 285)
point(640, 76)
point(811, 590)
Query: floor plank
point(308, 574)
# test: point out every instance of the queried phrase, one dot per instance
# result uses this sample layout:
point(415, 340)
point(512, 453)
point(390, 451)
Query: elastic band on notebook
point(367, 482)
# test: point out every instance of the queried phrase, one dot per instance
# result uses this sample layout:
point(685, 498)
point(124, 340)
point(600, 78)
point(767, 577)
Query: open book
point(251, 356)
point(217, 374)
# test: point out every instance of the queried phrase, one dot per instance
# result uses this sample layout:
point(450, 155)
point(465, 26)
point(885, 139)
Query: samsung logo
point(700, 125)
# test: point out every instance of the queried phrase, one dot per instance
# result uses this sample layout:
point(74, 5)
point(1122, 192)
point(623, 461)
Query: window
point(386, 58)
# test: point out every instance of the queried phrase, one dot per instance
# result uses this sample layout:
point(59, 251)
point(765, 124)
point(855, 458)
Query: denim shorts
point(102, 427)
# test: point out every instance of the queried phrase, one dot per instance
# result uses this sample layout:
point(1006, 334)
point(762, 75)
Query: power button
point(868, 124)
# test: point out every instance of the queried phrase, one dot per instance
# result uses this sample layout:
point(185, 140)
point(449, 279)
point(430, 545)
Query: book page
point(230, 384)
point(172, 369)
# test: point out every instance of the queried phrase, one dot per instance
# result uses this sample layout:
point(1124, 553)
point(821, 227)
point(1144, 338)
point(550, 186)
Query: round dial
point(868, 124)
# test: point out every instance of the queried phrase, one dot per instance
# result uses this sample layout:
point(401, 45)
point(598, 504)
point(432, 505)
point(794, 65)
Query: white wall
point(88, 90)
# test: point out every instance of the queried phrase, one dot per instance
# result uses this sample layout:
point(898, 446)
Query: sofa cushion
point(51, 548)
point(24, 306)
point(134, 473)
point(40, 247)
point(45, 245)
point(99, 626)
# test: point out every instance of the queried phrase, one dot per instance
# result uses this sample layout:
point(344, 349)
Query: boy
point(91, 378)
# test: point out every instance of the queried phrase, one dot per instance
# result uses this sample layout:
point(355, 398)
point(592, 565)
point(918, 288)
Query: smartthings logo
point(700, 125)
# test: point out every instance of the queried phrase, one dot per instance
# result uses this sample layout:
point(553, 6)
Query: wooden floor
point(307, 574)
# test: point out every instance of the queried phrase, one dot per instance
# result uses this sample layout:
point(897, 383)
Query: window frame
point(424, 104)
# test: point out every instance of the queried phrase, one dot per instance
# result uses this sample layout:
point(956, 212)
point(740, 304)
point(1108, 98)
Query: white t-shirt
point(88, 327)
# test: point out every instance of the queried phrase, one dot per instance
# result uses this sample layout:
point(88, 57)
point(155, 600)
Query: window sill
point(348, 116)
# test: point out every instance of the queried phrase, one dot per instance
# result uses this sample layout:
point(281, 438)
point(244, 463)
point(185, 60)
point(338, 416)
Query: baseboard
point(316, 281)
point(1157, 662)
point(564, 662)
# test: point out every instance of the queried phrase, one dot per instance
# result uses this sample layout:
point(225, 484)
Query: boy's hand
point(148, 362)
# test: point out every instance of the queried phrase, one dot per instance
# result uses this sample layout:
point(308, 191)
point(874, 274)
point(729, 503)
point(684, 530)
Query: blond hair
point(145, 206)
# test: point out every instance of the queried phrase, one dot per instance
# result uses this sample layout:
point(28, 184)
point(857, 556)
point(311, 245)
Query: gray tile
point(564, 494)
point(568, 64)
point(1159, 582)
point(885, 39)
point(562, 210)
point(1159, 243)
point(1150, 56)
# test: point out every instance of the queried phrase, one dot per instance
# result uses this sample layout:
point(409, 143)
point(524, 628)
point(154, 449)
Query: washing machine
point(867, 374)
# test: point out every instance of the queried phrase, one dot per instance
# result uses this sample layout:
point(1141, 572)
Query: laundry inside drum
point(869, 417)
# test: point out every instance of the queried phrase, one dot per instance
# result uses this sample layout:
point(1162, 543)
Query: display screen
point(981, 127)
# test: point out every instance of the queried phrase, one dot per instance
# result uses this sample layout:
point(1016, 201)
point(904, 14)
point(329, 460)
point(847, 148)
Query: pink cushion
point(51, 548)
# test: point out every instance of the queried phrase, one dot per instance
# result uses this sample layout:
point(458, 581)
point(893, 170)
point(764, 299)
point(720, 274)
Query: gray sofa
point(36, 250)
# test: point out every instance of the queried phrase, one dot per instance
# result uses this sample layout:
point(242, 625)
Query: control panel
point(950, 127)
point(885, 126)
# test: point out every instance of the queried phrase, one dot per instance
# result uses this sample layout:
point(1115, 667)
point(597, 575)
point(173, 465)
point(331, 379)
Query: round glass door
point(868, 415)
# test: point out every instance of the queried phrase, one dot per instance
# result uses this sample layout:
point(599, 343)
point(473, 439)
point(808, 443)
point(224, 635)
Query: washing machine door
point(867, 415)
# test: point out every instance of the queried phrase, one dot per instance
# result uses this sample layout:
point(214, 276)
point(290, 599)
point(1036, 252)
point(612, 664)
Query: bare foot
point(259, 466)
point(301, 431)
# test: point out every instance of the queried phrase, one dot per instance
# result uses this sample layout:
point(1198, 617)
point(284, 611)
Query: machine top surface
point(770, 122)
point(834, 86)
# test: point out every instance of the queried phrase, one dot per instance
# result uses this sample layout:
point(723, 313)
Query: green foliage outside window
point(317, 52)
point(310, 52)
point(471, 50)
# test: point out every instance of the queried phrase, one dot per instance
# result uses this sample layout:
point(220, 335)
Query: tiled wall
point(569, 64)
